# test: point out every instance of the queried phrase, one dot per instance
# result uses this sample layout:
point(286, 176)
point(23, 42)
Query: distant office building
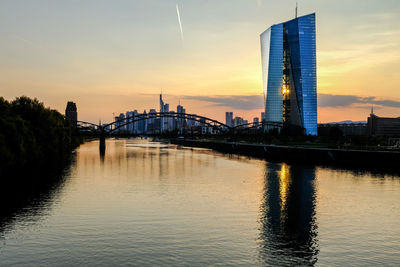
point(256, 121)
point(119, 122)
point(180, 120)
point(262, 116)
point(71, 112)
point(162, 119)
point(191, 121)
point(136, 123)
point(166, 119)
point(346, 128)
point(379, 126)
point(130, 116)
point(288, 53)
point(229, 118)
point(171, 121)
point(152, 125)
point(144, 122)
point(238, 121)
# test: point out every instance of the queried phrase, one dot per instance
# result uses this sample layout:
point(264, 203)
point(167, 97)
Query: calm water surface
point(150, 204)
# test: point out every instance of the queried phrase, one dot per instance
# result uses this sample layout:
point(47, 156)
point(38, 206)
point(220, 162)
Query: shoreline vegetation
point(36, 143)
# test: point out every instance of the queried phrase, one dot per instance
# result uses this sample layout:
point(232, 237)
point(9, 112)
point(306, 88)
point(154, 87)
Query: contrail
point(27, 41)
point(179, 20)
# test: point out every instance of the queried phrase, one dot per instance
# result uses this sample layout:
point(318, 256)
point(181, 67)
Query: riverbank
point(33, 138)
point(295, 154)
point(36, 145)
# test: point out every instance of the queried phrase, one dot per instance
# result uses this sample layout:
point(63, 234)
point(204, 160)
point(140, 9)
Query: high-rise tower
point(161, 110)
point(288, 52)
point(229, 118)
point(71, 112)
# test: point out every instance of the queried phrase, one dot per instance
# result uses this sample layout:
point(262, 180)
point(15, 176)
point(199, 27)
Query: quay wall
point(389, 160)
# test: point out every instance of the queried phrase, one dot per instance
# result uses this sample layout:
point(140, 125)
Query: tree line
point(33, 137)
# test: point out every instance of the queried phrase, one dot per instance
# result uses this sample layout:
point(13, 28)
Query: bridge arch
point(116, 125)
point(141, 117)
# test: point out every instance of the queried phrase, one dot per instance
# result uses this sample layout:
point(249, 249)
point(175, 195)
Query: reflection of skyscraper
point(288, 227)
point(288, 53)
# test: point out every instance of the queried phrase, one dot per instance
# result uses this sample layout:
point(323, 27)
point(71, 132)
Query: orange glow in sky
point(114, 56)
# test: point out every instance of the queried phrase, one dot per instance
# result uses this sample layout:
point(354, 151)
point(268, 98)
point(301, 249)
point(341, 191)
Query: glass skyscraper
point(289, 73)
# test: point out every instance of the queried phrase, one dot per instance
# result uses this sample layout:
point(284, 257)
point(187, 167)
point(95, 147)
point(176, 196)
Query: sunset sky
point(117, 55)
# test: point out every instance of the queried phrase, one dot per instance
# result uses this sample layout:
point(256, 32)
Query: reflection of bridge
point(195, 121)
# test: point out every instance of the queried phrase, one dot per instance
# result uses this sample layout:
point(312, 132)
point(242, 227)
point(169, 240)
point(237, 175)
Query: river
point(151, 204)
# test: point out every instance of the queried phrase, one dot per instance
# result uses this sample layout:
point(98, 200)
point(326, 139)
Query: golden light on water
point(284, 182)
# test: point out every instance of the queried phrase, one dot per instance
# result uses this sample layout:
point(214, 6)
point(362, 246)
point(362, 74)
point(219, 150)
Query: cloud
point(243, 102)
point(251, 102)
point(329, 100)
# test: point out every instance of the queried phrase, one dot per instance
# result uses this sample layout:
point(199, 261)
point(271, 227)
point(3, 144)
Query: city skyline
point(110, 57)
point(153, 123)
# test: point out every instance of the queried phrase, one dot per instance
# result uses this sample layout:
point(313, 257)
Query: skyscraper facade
point(288, 52)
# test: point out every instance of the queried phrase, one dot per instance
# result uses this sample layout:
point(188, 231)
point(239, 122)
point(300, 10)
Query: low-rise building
point(380, 126)
point(346, 128)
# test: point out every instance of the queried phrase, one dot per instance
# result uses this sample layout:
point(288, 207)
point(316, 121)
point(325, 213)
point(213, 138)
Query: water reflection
point(151, 204)
point(28, 199)
point(102, 152)
point(288, 228)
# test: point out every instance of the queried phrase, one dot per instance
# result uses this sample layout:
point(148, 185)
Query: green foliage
point(33, 136)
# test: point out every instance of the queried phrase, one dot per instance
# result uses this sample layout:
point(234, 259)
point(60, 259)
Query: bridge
point(188, 121)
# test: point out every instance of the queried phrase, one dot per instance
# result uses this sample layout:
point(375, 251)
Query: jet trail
point(27, 42)
point(179, 21)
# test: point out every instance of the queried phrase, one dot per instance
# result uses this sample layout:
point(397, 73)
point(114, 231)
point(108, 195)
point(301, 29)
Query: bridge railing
point(260, 125)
